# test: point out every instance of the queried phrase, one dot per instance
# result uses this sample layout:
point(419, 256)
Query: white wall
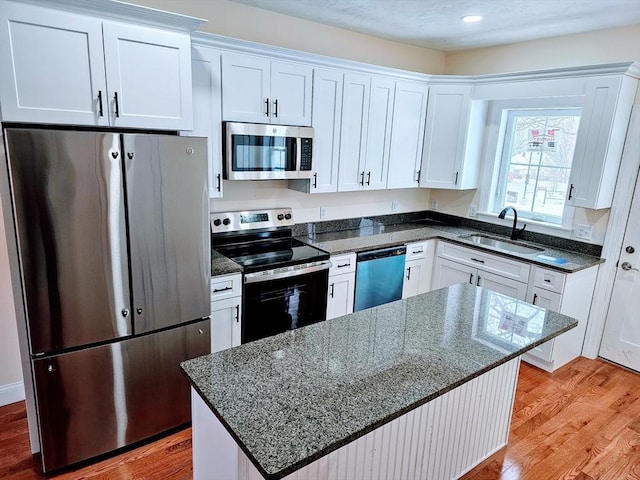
point(258, 25)
point(603, 46)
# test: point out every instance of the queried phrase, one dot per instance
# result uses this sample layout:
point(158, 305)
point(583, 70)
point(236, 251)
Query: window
point(535, 162)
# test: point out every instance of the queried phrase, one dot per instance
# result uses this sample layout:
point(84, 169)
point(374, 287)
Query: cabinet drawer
point(343, 264)
point(226, 286)
point(416, 251)
point(549, 279)
point(490, 263)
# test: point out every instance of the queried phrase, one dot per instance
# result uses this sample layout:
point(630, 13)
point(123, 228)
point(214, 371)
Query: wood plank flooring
point(581, 422)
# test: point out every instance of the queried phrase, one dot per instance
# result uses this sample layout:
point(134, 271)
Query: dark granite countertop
point(380, 236)
point(221, 265)
point(295, 397)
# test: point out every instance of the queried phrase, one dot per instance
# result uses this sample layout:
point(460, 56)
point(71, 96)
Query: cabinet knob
point(124, 312)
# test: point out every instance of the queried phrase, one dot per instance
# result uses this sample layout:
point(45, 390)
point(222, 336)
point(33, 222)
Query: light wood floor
point(581, 422)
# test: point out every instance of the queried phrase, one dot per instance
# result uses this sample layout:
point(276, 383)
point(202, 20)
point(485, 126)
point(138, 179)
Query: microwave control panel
point(305, 153)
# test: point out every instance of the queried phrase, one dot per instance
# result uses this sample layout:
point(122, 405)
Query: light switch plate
point(583, 231)
point(434, 204)
point(473, 211)
point(323, 212)
point(394, 206)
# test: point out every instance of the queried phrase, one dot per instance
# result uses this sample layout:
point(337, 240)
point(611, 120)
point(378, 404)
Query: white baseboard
point(10, 393)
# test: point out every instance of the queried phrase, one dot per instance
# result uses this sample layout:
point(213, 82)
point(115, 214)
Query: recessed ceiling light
point(471, 18)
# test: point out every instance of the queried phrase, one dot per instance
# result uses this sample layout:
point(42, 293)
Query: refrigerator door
point(168, 201)
point(98, 399)
point(69, 211)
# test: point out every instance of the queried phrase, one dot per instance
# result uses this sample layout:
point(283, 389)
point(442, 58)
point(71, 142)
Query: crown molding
point(121, 11)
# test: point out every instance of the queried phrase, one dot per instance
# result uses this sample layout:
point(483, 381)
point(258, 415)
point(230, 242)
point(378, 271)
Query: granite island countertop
point(292, 398)
point(380, 236)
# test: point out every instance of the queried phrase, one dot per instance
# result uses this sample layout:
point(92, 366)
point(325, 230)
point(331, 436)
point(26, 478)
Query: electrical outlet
point(323, 212)
point(473, 211)
point(394, 206)
point(434, 204)
point(583, 231)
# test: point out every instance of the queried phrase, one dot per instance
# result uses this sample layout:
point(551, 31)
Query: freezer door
point(168, 199)
point(95, 400)
point(69, 211)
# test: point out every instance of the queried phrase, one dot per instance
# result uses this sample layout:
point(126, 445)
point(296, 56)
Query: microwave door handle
point(298, 148)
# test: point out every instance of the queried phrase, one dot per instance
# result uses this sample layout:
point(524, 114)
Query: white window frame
point(496, 133)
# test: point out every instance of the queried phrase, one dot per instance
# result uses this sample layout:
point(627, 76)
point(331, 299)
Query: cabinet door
point(379, 133)
point(52, 67)
point(327, 110)
point(445, 136)
point(225, 323)
point(290, 94)
point(207, 119)
point(545, 299)
point(502, 285)
point(353, 135)
point(245, 88)
point(340, 295)
point(603, 126)
point(447, 273)
point(415, 278)
point(148, 77)
point(407, 135)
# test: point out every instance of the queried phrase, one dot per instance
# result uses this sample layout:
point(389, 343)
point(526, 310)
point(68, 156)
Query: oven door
point(273, 305)
point(261, 152)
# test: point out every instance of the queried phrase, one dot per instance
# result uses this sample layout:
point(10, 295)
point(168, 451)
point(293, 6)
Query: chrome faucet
point(515, 233)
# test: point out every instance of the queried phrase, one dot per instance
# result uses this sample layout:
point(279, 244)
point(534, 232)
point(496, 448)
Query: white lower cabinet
point(569, 294)
point(226, 311)
point(417, 273)
point(456, 264)
point(342, 281)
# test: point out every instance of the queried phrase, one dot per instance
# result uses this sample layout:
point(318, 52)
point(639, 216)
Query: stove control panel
point(251, 219)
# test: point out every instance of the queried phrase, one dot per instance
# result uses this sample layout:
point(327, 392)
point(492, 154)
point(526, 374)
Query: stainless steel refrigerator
point(112, 255)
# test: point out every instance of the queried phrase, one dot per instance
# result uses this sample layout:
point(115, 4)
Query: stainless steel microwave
point(267, 152)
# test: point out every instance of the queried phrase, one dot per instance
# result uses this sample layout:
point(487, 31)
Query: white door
point(447, 273)
point(327, 109)
point(245, 88)
point(621, 338)
point(340, 299)
point(379, 133)
point(207, 120)
point(502, 285)
point(416, 280)
point(225, 324)
point(52, 67)
point(353, 136)
point(148, 77)
point(291, 94)
point(407, 135)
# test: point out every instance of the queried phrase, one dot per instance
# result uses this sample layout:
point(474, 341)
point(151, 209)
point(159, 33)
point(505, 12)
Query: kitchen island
point(418, 388)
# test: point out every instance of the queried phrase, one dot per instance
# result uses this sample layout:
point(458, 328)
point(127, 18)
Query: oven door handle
point(275, 275)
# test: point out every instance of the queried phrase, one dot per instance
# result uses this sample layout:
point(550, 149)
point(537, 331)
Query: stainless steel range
point(285, 280)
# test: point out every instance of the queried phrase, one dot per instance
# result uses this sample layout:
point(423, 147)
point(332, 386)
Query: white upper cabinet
point(51, 67)
point(407, 135)
point(207, 119)
point(326, 123)
point(376, 165)
point(453, 139)
point(66, 68)
point(367, 113)
point(255, 89)
point(353, 138)
point(148, 77)
point(603, 127)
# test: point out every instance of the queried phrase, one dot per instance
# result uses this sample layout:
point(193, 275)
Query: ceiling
point(436, 24)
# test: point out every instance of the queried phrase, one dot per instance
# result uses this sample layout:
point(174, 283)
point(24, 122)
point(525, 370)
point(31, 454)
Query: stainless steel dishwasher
point(379, 277)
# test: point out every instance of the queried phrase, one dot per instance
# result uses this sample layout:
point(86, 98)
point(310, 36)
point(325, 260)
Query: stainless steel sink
point(502, 245)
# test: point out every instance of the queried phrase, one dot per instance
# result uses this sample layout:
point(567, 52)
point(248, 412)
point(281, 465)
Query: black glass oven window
point(259, 153)
point(276, 306)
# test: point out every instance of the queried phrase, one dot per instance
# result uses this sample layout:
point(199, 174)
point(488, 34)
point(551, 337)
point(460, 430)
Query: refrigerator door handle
point(115, 222)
